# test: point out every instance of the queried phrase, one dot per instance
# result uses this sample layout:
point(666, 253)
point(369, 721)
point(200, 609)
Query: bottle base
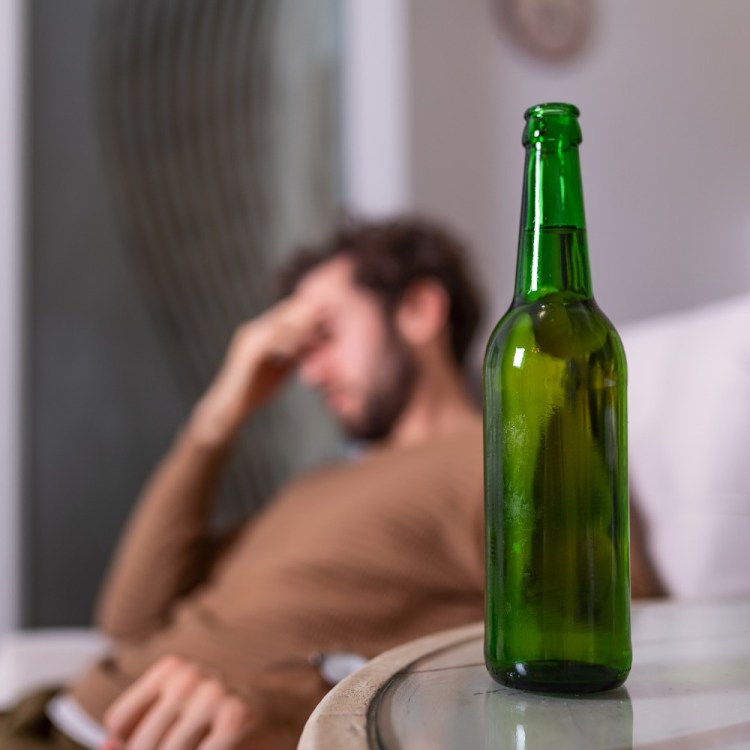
point(558, 676)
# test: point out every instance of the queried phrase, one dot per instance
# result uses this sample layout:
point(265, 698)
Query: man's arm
point(167, 547)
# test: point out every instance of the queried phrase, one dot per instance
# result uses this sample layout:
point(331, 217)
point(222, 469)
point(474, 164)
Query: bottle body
point(556, 484)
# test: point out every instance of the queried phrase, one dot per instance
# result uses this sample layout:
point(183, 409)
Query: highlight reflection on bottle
point(556, 487)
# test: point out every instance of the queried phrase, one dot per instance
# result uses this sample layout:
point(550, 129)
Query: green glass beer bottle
point(555, 446)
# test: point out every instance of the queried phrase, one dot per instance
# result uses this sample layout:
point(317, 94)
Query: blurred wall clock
point(549, 29)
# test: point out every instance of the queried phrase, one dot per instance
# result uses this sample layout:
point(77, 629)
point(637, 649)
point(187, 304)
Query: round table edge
point(340, 719)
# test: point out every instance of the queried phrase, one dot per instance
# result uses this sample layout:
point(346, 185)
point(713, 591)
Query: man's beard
point(389, 393)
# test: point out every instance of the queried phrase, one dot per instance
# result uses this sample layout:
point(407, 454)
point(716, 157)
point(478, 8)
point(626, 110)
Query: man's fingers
point(230, 725)
point(171, 709)
point(125, 713)
point(294, 327)
point(212, 718)
point(175, 706)
point(144, 713)
point(300, 314)
point(152, 729)
point(197, 716)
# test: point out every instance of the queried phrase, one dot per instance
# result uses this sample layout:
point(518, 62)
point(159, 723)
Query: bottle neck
point(552, 250)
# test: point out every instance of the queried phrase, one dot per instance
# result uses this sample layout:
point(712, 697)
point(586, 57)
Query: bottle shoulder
point(555, 326)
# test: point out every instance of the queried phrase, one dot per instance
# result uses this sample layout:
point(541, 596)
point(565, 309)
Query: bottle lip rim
point(552, 108)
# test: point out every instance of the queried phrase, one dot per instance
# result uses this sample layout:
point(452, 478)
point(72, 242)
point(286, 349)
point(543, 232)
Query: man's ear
point(422, 313)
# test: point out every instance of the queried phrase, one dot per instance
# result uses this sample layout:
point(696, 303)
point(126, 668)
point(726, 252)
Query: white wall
point(11, 141)
point(666, 158)
point(375, 107)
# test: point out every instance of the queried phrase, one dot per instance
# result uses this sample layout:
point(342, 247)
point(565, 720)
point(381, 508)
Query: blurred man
point(214, 641)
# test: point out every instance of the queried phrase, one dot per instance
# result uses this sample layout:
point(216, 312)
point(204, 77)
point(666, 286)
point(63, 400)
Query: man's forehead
point(332, 277)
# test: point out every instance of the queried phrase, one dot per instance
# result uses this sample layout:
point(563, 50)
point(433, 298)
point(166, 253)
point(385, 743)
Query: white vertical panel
point(375, 106)
point(12, 34)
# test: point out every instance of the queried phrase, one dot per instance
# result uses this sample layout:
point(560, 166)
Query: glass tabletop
point(689, 689)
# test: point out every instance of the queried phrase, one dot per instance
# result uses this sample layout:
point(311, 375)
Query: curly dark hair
point(389, 256)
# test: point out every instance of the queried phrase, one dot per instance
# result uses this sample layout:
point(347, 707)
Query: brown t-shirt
point(358, 557)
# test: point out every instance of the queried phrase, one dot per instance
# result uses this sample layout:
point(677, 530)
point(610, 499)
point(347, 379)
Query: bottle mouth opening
point(551, 109)
point(556, 122)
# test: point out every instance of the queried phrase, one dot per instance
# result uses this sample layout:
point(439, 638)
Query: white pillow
point(689, 432)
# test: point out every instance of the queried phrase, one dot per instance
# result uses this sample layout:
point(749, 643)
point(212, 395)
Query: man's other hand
point(177, 706)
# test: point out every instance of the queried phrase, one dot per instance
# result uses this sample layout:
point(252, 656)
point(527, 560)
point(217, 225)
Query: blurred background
point(158, 158)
